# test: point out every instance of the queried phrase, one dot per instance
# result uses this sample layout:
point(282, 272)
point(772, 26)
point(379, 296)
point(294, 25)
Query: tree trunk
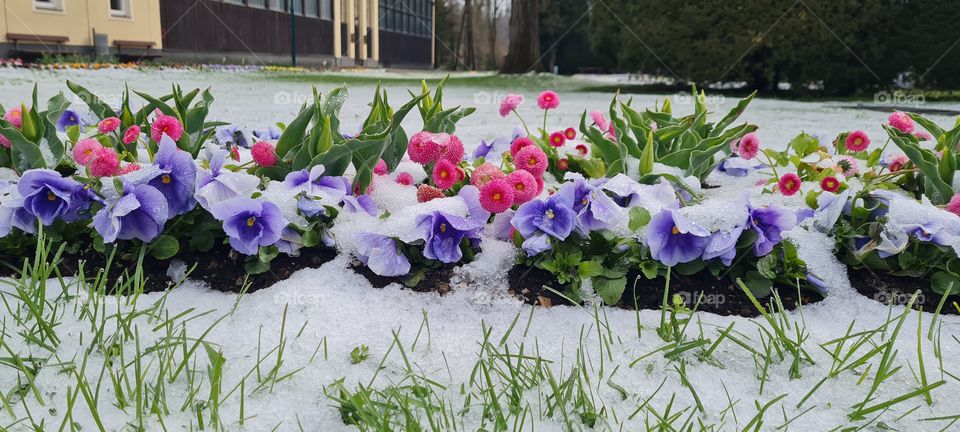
point(524, 49)
point(471, 62)
point(493, 34)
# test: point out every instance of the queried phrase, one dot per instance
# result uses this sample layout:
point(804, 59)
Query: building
point(343, 33)
point(30, 28)
point(335, 33)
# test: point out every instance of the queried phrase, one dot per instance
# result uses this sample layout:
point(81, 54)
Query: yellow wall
point(79, 18)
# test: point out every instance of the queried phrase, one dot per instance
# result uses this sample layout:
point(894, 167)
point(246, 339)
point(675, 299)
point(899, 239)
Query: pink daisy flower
point(570, 134)
point(424, 148)
point(264, 154)
point(898, 163)
point(108, 125)
point(558, 139)
point(445, 174)
point(518, 144)
point(548, 100)
point(405, 179)
point(235, 153)
point(563, 164)
point(524, 186)
point(485, 173)
point(789, 184)
point(749, 146)
point(496, 196)
point(129, 168)
point(426, 193)
point(532, 159)
point(381, 168)
point(15, 116)
point(84, 149)
point(510, 103)
point(168, 125)
point(954, 205)
point(131, 135)
point(454, 149)
point(582, 149)
point(830, 184)
point(104, 162)
point(857, 141)
point(901, 121)
point(848, 166)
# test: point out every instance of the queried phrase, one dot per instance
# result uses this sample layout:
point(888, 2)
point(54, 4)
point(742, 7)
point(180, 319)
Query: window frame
point(125, 13)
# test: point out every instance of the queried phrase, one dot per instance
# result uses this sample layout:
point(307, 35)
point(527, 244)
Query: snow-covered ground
point(308, 325)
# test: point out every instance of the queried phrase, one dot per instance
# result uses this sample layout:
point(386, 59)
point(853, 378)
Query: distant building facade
point(344, 33)
point(341, 33)
point(109, 27)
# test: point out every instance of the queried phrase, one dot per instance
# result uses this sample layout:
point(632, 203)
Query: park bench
point(139, 46)
point(32, 39)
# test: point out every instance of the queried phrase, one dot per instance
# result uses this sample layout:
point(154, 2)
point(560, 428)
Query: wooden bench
point(18, 38)
point(141, 46)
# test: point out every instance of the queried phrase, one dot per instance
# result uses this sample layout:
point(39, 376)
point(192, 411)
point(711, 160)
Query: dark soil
point(437, 280)
point(721, 296)
point(898, 290)
point(222, 268)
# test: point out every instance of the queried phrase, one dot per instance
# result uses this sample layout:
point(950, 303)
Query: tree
point(523, 53)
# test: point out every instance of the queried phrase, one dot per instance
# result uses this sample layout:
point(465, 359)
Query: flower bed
point(633, 208)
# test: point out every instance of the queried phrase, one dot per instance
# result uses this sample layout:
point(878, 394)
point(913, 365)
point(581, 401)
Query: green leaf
point(164, 247)
point(610, 290)
point(589, 269)
point(293, 135)
point(767, 266)
point(941, 282)
point(254, 266)
point(639, 218)
point(650, 269)
point(758, 285)
point(648, 157)
point(99, 108)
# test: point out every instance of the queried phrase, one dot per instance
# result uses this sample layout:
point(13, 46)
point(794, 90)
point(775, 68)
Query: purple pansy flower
point(12, 213)
point(723, 244)
point(216, 184)
point(290, 242)
point(67, 119)
point(250, 223)
point(551, 216)
point(138, 213)
point(271, 133)
point(315, 184)
point(443, 233)
point(234, 135)
point(311, 207)
point(360, 203)
point(932, 231)
point(471, 196)
point(47, 195)
point(738, 167)
point(381, 254)
point(176, 176)
point(673, 239)
point(769, 223)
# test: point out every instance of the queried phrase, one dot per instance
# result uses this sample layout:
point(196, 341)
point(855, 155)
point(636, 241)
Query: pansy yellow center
point(251, 220)
point(166, 179)
point(676, 231)
point(584, 202)
point(51, 196)
point(443, 227)
point(549, 214)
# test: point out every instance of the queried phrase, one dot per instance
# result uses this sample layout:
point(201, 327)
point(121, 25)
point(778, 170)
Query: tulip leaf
point(99, 108)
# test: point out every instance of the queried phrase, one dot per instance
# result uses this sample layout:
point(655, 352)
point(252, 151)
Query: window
point(414, 17)
point(257, 3)
point(48, 4)
point(278, 5)
point(326, 9)
point(120, 8)
point(310, 8)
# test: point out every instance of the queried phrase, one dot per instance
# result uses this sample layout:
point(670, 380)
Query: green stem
point(773, 166)
point(524, 123)
point(544, 121)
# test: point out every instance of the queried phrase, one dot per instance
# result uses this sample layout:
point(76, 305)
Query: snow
point(337, 309)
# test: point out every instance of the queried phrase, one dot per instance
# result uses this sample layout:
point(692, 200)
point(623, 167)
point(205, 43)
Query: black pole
point(293, 34)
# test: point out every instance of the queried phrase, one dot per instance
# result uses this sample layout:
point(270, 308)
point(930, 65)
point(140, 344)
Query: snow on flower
point(250, 223)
